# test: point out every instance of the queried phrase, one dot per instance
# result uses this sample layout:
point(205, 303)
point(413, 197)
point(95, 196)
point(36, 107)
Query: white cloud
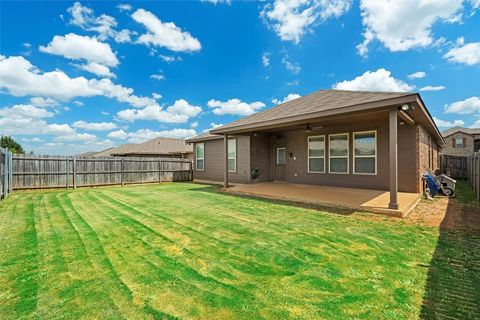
point(217, 1)
point(266, 59)
point(21, 111)
point(291, 19)
point(193, 125)
point(448, 124)
point(76, 47)
point(76, 137)
point(157, 96)
point(59, 129)
point(158, 77)
point(476, 124)
point(164, 34)
point(432, 88)
point(124, 36)
point(380, 80)
point(20, 78)
point(98, 69)
point(213, 125)
point(417, 75)
point(94, 126)
point(235, 107)
point(291, 66)
point(104, 25)
point(124, 7)
point(401, 25)
point(289, 97)
point(34, 139)
point(43, 102)
point(468, 106)
point(147, 134)
point(170, 59)
point(180, 112)
point(119, 134)
point(468, 54)
point(183, 107)
point(78, 103)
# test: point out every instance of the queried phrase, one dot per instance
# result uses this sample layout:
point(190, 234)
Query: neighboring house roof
point(157, 146)
point(453, 130)
point(204, 136)
point(87, 154)
point(329, 103)
point(108, 152)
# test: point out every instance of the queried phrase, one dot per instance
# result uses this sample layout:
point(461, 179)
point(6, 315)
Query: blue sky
point(82, 76)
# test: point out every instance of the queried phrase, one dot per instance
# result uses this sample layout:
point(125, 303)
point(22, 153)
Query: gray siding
point(215, 164)
point(258, 151)
point(297, 167)
point(261, 156)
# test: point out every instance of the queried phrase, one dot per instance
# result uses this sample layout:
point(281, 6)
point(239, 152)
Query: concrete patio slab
point(375, 201)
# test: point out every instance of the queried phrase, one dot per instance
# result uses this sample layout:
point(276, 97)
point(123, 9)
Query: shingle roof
point(204, 136)
point(157, 146)
point(318, 101)
point(450, 131)
point(108, 152)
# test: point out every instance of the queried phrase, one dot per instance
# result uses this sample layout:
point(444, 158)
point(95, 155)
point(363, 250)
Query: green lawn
point(185, 251)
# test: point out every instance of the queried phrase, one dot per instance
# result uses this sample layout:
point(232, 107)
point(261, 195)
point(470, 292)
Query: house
point(335, 138)
point(158, 147)
point(461, 141)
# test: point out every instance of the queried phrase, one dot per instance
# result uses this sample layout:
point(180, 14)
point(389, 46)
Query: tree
point(10, 144)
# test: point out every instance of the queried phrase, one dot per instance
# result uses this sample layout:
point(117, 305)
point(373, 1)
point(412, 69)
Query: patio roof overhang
point(418, 114)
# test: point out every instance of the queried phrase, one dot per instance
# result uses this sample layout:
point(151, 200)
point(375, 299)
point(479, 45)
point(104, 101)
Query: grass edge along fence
point(473, 167)
point(6, 164)
point(43, 172)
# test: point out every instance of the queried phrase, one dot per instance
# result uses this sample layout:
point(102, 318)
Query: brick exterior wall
point(467, 150)
point(427, 153)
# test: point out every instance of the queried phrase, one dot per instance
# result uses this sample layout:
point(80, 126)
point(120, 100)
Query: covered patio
point(375, 201)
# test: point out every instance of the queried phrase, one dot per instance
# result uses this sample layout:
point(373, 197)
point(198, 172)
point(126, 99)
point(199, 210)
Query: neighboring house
point(461, 141)
point(158, 147)
point(330, 137)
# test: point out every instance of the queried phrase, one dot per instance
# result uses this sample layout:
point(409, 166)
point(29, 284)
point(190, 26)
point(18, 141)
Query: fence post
point(191, 170)
point(67, 169)
point(74, 173)
point(4, 177)
point(159, 170)
point(121, 170)
point(6, 173)
point(10, 176)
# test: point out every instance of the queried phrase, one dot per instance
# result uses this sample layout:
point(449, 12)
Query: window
point(200, 156)
point(459, 143)
point(281, 156)
point(232, 155)
point(365, 152)
point(338, 153)
point(316, 154)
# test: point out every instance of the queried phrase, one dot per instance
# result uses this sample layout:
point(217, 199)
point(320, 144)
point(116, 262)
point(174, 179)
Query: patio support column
point(225, 148)
point(393, 145)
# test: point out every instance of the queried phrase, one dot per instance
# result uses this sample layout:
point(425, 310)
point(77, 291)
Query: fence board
point(473, 174)
point(5, 173)
point(34, 172)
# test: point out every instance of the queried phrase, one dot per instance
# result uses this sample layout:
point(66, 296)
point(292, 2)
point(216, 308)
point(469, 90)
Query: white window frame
point(197, 158)
point(316, 157)
point(232, 158)
point(339, 157)
point(459, 146)
point(276, 160)
point(354, 156)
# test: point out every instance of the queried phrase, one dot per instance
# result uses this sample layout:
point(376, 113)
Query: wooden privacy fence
point(454, 166)
point(40, 172)
point(5, 173)
point(473, 167)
